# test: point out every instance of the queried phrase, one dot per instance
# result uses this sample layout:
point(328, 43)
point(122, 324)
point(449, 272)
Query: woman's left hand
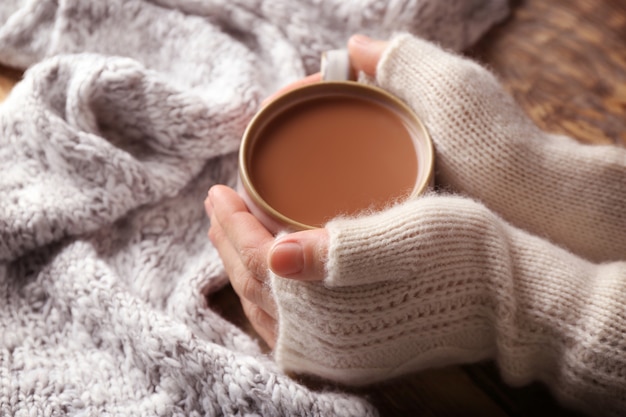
point(243, 244)
point(248, 251)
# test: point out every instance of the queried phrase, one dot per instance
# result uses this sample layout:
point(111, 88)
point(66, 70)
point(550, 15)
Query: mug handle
point(335, 65)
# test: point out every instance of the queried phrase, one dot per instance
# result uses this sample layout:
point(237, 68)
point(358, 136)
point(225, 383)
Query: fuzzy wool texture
point(128, 112)
point(520, 257)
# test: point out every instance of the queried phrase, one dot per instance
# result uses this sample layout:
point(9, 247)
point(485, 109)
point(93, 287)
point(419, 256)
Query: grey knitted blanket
point(128, 112)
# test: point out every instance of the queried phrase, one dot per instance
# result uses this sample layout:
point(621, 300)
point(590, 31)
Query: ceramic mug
point(331, 148)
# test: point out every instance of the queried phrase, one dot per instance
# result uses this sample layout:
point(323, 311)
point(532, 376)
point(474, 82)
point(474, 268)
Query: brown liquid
point(332, 156)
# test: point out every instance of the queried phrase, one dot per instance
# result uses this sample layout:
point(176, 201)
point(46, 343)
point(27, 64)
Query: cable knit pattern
point(526, 265)
point(128, 112)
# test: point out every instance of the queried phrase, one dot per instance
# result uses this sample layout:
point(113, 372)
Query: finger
point(249, 238)
point(246, 285)
point(313, 78)
point(263, 324)
point(365, 53)
point(208, 207)
point(300, 255)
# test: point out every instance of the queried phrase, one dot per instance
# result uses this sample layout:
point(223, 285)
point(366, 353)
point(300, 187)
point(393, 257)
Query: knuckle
point(251, 288)
point(258, 293)
point(255, 315)
point(253, 260)
point(213, 234)
point(239, 278)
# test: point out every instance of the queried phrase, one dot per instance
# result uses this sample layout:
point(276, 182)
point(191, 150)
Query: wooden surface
point(565, 63)
point(8, 78)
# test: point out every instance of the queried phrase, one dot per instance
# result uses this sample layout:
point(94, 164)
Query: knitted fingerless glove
point(487, 148)
point(509, 274)
point(443, 280)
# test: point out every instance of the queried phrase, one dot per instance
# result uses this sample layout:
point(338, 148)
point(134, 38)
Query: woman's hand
point(243, 243)
point(248, 250)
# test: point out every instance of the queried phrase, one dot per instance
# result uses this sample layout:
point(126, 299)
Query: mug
point(332, 148)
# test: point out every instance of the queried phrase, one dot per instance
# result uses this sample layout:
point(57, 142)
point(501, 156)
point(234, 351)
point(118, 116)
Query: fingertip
point(223, 195)
point(216, 190)
point(300, 255)
point(286, 258)
point(365, 53)
point(360, 38)
point(310, 79)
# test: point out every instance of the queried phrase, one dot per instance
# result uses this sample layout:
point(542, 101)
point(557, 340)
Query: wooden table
point(8, 78)
point(564, 61)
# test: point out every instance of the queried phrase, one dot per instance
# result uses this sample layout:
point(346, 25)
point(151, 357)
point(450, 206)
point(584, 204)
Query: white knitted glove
point(444, 280)
point(488, 149)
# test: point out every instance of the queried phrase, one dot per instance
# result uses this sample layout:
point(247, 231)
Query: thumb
point(300, 255)
point(365, 53)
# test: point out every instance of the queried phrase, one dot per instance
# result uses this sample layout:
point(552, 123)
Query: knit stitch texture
point(524, 264)
point(128, 112)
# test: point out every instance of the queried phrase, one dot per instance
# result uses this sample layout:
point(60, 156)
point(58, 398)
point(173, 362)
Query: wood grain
point(564, 61)
point(8, 78)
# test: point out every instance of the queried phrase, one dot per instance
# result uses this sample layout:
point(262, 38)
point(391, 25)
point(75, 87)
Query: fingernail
point(362, 40)
point(286, 258)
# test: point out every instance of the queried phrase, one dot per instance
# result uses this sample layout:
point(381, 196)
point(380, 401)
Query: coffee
point(333, 155)
point(328, 149)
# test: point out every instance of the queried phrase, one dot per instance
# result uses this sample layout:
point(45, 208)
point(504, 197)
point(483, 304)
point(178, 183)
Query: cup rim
point(287, 98)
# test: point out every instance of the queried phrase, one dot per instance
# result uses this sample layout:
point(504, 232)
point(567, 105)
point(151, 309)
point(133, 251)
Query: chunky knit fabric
point(128, 112)
point(521, 259)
